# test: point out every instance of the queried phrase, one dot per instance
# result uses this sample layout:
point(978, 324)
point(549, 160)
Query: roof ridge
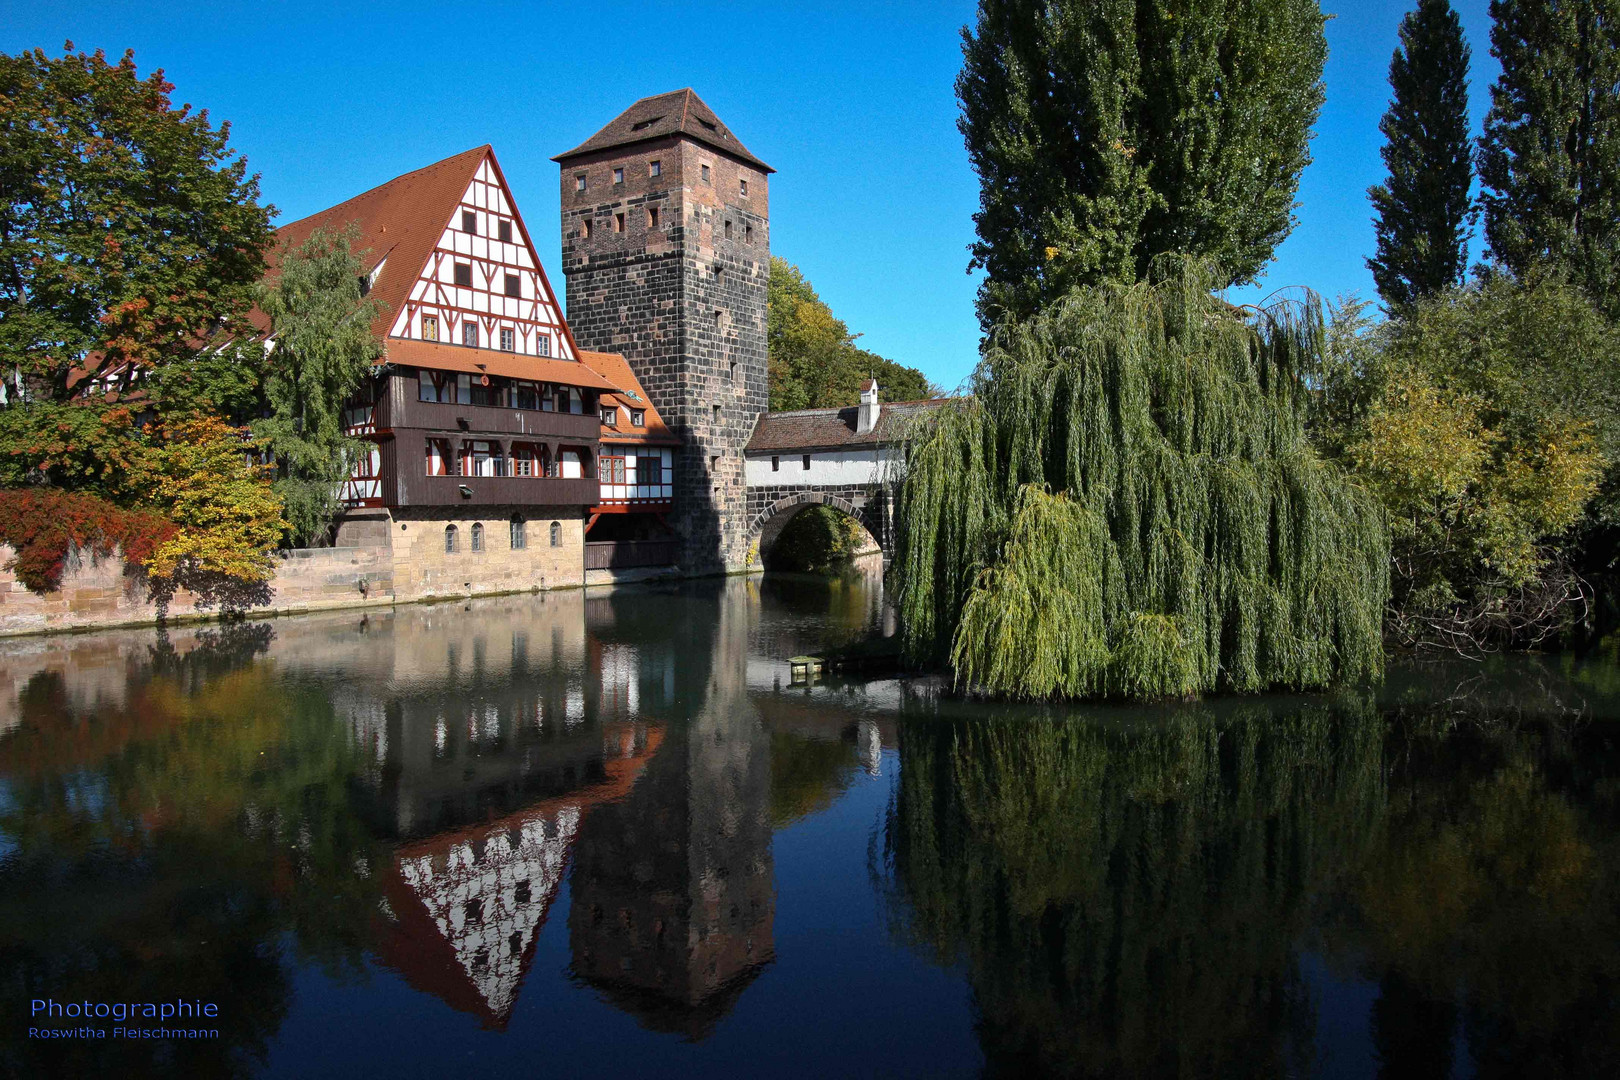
point(486, 148)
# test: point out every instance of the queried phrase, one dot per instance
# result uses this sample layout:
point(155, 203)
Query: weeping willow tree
point(1127, 506)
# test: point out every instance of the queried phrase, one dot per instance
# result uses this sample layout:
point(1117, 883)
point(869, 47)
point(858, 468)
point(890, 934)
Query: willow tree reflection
point(1127, 896)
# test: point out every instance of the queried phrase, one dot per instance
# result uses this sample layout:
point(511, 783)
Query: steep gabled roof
point(836, 429)
point(400, 221)
point(680, 112)
point(614, 369)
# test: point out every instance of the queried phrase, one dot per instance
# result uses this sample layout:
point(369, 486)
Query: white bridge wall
point(831, 468)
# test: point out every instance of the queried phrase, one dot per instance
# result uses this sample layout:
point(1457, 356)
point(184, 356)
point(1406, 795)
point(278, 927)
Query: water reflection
point(540, 817)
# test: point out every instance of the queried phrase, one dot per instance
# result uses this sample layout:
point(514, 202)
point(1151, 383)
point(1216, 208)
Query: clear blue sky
point(852, 104)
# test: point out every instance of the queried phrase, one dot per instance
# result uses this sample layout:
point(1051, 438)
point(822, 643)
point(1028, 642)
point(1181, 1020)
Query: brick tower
point(666, 248)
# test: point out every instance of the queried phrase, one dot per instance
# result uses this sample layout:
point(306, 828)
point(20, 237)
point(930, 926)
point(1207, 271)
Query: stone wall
point(424, 568)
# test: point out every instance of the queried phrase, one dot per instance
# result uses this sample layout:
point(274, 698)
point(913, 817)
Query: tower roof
point(679, 112)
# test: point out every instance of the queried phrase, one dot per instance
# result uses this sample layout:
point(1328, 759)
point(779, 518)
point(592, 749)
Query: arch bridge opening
point(813, 532)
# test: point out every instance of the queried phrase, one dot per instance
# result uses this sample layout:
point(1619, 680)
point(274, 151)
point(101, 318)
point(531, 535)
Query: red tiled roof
point(834, 429)
point(679, 112)
point(616, 370)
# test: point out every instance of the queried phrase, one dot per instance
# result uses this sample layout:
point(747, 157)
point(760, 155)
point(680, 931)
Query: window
point(610, 417)
point(652, 217)
point(579, 181)
point(435, 386)
point(807, 461)
point(728, 236)
point(469, 222)
point(469, 333)
point(613, 470)
point(514, 285)
point(523, 460)
point(503, 232)
point(438, 457)
point(776, 463)
point(430, 328)
point(638, 417)
point(655, 167)
point(743, 185)
point(520, 532)
point(705, 174)
point(556, 534)
point(542, 345)
point(618, 223)
point(618, 176)
point(452, 543)
point(717, 414)
point(585, 228)
point(464, 274)
point(478, 536)
point(734, 372)
point(748, 234)
point(507, 339)
point(524, 396)
point(650, 471)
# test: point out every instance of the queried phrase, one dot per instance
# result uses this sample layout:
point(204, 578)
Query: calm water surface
point(605, 835)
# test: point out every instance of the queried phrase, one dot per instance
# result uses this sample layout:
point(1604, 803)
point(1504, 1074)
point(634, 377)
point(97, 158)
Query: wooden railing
point(628, 554)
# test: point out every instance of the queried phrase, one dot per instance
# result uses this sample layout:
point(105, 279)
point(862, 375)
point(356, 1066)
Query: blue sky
point(851, 103)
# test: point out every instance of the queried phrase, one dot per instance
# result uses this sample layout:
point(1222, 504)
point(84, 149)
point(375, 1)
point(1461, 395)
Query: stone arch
point(768, 524)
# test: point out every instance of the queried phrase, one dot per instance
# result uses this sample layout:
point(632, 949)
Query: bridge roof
point(834, 429)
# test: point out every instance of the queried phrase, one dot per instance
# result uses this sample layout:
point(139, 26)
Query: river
point(606, 834)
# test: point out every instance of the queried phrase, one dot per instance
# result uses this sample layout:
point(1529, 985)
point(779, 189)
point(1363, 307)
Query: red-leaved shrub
point(43, 524)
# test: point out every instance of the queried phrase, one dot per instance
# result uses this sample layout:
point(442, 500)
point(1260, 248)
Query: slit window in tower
point(618, 223)
point(652, 217)
point(717, 414)
point(585, 228)
point(728, 234)
point(705, 174)
point(743, 186)
point(748, 234)
point(807, 462)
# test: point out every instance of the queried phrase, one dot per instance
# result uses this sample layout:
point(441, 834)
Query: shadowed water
point(580, 835)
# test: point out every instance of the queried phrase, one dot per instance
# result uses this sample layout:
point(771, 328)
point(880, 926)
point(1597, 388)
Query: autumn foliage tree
point(129, 227)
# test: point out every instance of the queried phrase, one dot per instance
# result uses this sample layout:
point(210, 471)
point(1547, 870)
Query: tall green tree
point(814, 362)
point(322, 349)
point(1106, 132)
point(1550, 155)
point(1422, 209)
point(129, 227)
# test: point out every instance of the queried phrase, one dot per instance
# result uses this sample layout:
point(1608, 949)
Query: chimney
point(866, 419)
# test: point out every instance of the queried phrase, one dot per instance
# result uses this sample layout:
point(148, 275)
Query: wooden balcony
point(443, 417)
point(416, 489)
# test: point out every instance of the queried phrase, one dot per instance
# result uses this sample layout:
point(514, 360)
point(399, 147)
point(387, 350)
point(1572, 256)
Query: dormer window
point(638, 417)
point(618, 176)
point(503, 230)
point(610, 416)
point(469, 223)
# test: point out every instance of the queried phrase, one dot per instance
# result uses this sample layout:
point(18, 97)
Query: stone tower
point(666, 247)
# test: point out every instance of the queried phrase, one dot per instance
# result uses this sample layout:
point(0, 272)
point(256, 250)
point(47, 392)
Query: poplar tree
point(1550, 155)
point(1106, 132)
point(1422, 209)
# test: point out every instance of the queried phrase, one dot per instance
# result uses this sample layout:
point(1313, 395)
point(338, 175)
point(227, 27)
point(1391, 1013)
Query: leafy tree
point(129, 228)
point(1493, 414)
point(814, 362)
point(1128, 506)
point(1550, 155)
point(1106, 132)
point(323, 349)
point(1422, 209)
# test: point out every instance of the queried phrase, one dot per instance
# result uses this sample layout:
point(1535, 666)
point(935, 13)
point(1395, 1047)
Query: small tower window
point(514, 286)
point(556, 534)
point(585, 228)
point(520, 533)
point(452, 542)
point(717, 414)
point(638, 418)
point(430, 328)
point(734, 372)
point(748, 234)
point(655, 167)
point(705, 174)
point(618, 176)
point(579, 181)
point(618, 223)
point(503, 232)
point(652, 217)
point(508, 341)
point(469, 333)
point(469, 223)
point(728, 237)
point(464, 274)
point(478, 536)
point(743, 185)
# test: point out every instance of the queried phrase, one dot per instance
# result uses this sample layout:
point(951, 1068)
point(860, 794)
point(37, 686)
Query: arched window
point(451, 542)
point(520, 533)
point(478, 536)
point(556, 534)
